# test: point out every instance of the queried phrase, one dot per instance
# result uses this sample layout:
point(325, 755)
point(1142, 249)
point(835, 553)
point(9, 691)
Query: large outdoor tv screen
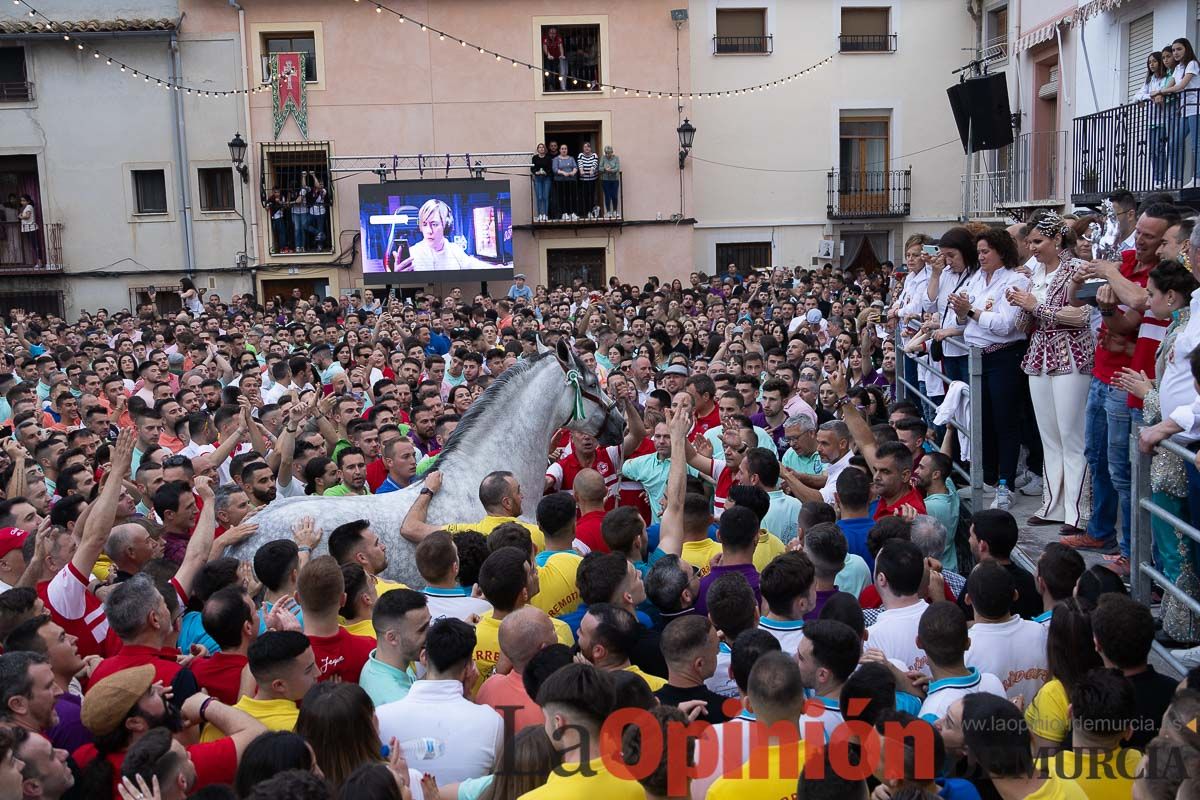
point(431, 231)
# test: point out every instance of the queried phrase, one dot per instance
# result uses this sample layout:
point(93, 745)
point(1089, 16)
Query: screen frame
point(435, 187)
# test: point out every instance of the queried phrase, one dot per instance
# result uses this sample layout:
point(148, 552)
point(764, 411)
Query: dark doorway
point(574, 134)
point(564, 265)
point(748, 256)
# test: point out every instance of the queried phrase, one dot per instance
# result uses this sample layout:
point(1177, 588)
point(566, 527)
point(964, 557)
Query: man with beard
point(356, 543)
point(46, 774)
point(28, 692)
point(258, 482)
point(124, 707)
point(43, 636)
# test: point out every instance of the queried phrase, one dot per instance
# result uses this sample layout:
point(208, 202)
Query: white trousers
point(1059, 402)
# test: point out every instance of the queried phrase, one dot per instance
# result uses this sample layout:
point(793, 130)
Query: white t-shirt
point(1013, 651)
point(788, 632)
point(943, 693)
point(722, 681)
point(457, 603)
point(895, 633)
point(831, 475)
point(1191, 105)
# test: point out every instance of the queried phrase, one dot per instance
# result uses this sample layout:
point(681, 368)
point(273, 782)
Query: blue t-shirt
point(191, 631)
point(856, 530)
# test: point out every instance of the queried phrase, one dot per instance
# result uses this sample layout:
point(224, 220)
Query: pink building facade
point(377, 87)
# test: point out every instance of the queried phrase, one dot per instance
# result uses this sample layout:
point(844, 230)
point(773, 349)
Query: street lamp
point(237, 154)
point(687, 132)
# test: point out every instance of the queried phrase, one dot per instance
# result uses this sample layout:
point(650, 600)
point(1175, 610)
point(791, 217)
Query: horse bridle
point(575, 378)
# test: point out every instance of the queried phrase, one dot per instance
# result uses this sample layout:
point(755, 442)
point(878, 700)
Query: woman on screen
point(435, 251)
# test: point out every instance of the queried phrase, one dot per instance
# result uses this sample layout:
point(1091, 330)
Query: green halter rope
point(574, 378)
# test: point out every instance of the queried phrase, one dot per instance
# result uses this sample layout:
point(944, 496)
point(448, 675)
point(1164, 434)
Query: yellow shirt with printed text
point(1107, 776)
point(700, 553)
point(487, 645)
point(557, 592)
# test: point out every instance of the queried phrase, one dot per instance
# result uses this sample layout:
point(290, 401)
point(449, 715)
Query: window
point(299, 199)
point(13, 85)
point(216, 189)
point(149, 191)
point(166, 298)
point(571, 54)
point(298, 42)
point(742, 31)
point(867, 30)
point(1139, 45)
point(747, 255)
point(995, 33)
point(564, 265)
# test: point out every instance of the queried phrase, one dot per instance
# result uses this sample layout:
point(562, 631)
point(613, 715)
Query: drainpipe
point(251, 209)
point(181, 160)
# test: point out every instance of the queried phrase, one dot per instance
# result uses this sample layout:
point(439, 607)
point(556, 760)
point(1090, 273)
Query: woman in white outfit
point(1059, 365)
point(435, 251)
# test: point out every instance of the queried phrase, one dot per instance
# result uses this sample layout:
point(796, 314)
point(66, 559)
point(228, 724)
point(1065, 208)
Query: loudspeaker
point(980, 106)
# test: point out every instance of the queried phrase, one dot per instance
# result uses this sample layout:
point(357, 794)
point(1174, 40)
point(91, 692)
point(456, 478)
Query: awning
point(1045, 31)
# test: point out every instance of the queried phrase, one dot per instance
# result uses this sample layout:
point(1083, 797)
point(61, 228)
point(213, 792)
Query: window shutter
point(1140, 43)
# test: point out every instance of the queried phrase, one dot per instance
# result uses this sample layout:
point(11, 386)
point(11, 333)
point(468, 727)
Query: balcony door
point(863, 159)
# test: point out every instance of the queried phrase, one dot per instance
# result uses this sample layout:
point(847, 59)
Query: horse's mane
point(486, 402)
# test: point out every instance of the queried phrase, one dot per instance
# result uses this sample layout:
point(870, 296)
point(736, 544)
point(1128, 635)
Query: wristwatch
point(971, 314)
point(426, 490)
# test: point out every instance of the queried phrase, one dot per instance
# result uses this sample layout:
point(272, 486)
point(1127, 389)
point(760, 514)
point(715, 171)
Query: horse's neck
point(515, 432)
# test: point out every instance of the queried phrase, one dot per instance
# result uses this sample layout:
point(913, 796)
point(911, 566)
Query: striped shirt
point(588, 164)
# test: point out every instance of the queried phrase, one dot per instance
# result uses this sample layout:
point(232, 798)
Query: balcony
point(1029, 173)
point(16, 91)
point(863, 194)
point(743, 45)
point(18, 255)
point(1138, 147)
point(574, 204)
point(867, 43)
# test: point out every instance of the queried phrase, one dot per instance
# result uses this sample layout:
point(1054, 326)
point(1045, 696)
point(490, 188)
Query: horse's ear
point(563, 351)
point(541, 348)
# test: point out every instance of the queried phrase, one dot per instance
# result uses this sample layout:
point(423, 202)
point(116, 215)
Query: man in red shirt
point(122, 708)
point(1108, 416)
point(232, 621)
point(704, 397)
point(321, 591)
point(591, 497)
point(554, 56)
point(893, 481)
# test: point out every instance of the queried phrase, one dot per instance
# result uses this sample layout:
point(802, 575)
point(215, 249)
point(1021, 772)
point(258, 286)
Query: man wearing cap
point(12, 562)
point(674, 378)
point(519, 291)
point(120, 709)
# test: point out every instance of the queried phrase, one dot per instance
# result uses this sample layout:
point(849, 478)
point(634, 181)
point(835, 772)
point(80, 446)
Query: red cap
point(11, 539)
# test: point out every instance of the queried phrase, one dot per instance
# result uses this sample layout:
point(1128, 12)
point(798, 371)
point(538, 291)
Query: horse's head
point(592, 410)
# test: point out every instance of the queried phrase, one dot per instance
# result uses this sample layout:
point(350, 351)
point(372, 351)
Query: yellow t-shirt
point(487, 645)
point(1047, 714)
point(491, 522)
point(363, 627)
point(1059, 789)
point(557, 593)
point(653, 681)
point(599, 782)
point(769, 545)
point(777, 782)
point(276, 715)
point(383, 586)
point(1111, 780)
point(698, 554)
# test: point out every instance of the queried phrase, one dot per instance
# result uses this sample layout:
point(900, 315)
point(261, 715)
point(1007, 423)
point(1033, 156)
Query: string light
point(51, 25)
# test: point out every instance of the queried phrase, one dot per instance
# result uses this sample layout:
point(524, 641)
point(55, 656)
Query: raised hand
point(305, 532)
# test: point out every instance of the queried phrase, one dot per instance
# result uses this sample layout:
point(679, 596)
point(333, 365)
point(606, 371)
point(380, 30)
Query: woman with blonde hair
point(1059, 365)
point(436, 251)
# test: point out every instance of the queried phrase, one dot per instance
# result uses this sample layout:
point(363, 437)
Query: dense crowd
point(771, 588)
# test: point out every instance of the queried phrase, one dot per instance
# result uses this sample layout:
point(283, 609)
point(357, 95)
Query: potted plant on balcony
point(1090, 182)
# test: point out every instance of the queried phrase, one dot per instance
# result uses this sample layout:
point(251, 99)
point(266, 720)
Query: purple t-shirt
point(70, 733)
point(747, 570)
point(822, 596)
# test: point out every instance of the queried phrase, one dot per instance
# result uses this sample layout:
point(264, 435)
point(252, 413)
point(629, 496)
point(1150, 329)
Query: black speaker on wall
point(980, 107)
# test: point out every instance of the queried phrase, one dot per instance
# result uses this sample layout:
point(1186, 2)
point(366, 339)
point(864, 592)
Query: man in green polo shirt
point(401, 620)
point(352, 465)
point(802, 455)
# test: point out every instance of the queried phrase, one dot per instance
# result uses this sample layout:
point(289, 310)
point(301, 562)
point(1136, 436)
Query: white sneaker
point(1032, 487)
point(566, 217)
point(595, 211)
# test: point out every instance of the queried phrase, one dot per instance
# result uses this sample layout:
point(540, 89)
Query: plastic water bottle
point(424, 748)
point(1003, 497)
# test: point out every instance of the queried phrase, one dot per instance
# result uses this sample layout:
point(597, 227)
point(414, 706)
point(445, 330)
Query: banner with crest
point(289, 94)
